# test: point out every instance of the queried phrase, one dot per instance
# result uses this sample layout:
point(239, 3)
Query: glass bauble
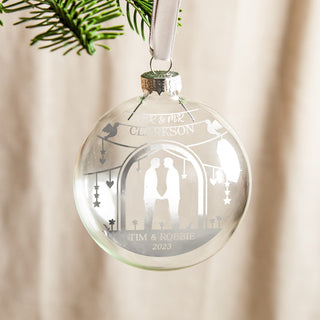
point(161, 182)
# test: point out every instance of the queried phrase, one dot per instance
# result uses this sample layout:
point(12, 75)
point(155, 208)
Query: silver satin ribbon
point(163, 28)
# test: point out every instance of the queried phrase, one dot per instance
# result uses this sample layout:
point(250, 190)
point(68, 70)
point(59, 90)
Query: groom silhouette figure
point(173, 192)
point(151, 193)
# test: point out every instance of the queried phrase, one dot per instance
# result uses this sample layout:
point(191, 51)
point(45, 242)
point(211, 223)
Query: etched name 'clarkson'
point(162, 131)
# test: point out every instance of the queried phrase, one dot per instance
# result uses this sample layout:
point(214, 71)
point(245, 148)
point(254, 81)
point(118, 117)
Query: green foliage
point(1, 11)
point(142, 8)
point(79, 24)
point(70, 24)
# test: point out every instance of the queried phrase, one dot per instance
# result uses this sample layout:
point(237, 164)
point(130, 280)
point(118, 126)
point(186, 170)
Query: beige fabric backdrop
point(258, 63)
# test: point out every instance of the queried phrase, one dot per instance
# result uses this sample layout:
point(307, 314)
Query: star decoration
point(96, 195)
point(227, 201)
point(96, 204)
point(96, 187)
point(184, 176)
point(227, 184)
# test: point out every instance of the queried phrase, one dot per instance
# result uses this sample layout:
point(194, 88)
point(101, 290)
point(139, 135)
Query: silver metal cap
point(161, 81)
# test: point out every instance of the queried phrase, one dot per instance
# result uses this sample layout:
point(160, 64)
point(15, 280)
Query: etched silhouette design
point(112, 130)
point(172, 193)
point(151, 193)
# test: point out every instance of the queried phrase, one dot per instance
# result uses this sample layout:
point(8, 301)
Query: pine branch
point(70, 24)
point(143, 8)
point(1, 11)
point(79, 24)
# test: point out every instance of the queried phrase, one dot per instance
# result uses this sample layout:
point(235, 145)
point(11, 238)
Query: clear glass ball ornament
point(161, 182)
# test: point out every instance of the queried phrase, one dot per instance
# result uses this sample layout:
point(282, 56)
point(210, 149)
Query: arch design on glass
point(164, 220)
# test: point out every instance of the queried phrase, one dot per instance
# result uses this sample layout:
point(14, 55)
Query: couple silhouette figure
point(172, 193)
